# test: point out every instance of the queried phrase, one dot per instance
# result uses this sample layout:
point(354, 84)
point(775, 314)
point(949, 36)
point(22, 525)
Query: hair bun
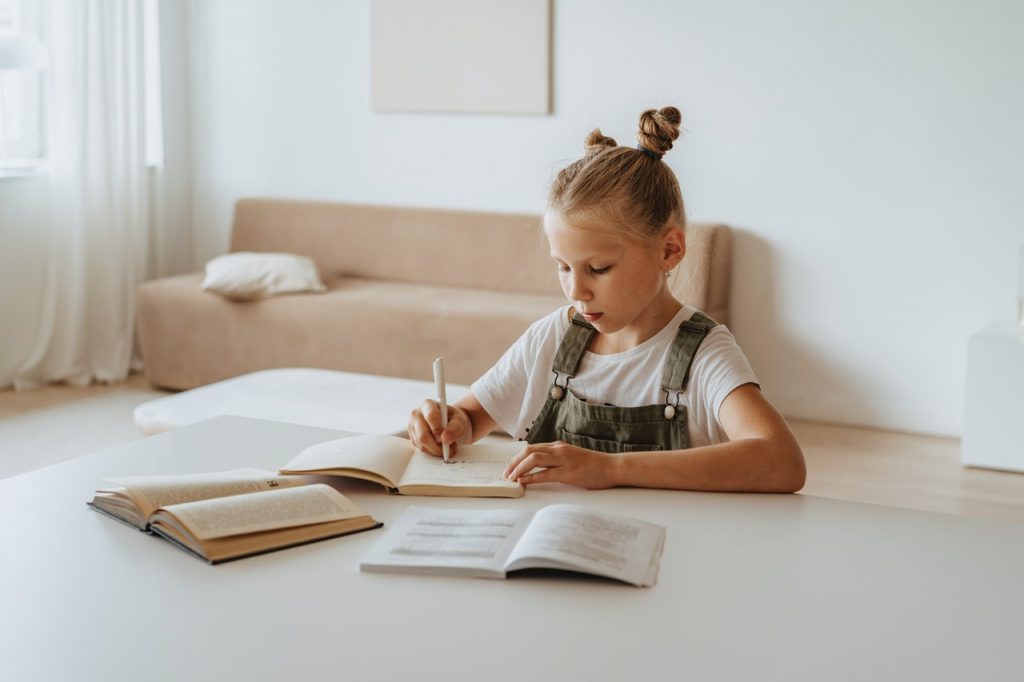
point(597, 142)
point(659, 128)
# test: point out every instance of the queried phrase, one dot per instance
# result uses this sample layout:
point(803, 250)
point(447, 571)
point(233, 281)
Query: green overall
point(606, 428)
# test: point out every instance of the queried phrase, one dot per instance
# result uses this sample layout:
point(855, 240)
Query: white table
point(765, 587)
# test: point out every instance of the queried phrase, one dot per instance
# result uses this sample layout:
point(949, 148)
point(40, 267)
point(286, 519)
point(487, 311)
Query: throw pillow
point(246, 275)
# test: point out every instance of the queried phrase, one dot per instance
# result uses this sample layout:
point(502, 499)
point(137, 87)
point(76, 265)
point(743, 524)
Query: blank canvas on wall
point(480, 56)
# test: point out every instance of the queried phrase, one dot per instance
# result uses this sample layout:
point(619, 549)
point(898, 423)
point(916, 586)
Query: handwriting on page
point(427, 470)
point(462, 472)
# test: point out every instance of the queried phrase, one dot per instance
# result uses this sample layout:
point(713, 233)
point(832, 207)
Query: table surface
point(787, 587)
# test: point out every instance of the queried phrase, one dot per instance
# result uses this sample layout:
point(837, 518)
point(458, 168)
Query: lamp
point(17, 53)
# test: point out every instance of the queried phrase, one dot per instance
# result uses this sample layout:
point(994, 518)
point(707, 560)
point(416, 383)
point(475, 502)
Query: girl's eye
point(563, 268)
point(600, 271)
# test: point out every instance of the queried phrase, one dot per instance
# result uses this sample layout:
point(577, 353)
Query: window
point(24, 97)
point(21, 108)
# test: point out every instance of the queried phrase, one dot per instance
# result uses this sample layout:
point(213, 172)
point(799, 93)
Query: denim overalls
point(606, 428)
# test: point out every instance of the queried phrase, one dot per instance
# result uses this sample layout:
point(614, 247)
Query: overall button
point(670, 412)
point(557, 392)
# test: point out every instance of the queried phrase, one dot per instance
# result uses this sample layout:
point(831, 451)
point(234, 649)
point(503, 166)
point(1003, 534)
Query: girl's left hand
point(563, 463)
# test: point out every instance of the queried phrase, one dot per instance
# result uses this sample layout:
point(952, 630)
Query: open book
point(397, 465)
point(231, 514)
point(489, 543)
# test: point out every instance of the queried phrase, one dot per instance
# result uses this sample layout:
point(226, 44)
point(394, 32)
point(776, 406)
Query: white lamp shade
point(19, 52)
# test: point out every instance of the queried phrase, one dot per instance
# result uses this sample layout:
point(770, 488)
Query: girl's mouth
point(591, 317)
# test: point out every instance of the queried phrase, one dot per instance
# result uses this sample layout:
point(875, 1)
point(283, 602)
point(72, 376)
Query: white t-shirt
point(514, 390)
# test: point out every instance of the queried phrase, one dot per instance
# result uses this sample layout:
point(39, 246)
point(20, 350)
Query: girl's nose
point(576, 289)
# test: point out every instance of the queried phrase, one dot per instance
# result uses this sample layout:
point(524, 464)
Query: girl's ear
point(673, 247)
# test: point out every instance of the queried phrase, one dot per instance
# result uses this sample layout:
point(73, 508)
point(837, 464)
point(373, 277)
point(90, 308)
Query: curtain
point(108, 231)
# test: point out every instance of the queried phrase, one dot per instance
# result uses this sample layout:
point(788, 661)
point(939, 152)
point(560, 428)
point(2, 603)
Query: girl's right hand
point(426, 433)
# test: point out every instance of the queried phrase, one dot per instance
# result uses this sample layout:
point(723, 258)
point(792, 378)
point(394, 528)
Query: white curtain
point(108, 231)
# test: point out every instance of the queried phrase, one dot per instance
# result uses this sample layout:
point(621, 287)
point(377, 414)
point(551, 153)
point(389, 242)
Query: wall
point(868, 153)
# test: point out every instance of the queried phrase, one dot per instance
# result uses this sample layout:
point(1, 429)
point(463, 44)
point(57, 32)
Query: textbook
point(231, 514)
point(491, 543)
point(393, 462)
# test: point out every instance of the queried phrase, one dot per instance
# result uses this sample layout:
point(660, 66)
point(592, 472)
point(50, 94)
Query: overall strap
point(684, 347)
point(573, 346)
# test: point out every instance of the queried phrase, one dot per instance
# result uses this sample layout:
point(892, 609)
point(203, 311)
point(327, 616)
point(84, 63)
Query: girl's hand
point(563, 463)
point(425, 428)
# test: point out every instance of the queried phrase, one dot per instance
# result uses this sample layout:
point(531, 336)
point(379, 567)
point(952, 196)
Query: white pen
point(443, 400)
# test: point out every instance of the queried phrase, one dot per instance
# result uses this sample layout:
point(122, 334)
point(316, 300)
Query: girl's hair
point(630, 189)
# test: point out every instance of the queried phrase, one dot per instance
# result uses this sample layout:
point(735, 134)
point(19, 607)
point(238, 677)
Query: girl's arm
point(468, 422)
point(761, 456)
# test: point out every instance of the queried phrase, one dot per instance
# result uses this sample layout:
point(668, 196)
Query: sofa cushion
point(191, 338)
point(245, 275)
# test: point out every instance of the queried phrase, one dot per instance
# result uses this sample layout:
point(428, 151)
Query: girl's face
point(616, 283)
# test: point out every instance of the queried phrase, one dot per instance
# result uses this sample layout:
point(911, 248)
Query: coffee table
point(765, 587)
point(300, 395)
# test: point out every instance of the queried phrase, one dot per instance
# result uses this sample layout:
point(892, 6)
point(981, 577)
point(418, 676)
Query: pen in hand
point(443, 401)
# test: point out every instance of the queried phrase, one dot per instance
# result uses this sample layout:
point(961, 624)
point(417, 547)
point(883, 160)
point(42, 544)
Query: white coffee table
point(752, 587)
point(993, 428)
point(299, 395)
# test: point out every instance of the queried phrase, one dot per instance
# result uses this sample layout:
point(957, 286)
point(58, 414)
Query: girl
point(626, 386)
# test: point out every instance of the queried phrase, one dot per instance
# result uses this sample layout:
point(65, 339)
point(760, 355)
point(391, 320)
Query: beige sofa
point(405, 285)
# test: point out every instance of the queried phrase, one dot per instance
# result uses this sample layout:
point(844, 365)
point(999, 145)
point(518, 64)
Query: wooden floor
point(864, 465)
point(904, 470)
point(14, 403)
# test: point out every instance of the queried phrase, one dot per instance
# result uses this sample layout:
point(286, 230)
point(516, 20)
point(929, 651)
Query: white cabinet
point(994, 409)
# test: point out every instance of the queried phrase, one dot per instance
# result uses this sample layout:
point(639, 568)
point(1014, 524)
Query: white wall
point(869, 153)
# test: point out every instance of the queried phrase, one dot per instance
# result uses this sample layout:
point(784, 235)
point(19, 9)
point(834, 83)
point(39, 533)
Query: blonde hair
point(630, 189)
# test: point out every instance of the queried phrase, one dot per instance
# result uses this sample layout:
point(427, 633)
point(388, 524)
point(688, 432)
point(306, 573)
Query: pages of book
point(489, 543)
point(282, 508)
point(475, 471)
point(149, 493)
point(385, 456)
point(572, 537)
point(474, 466)
point(467, 542)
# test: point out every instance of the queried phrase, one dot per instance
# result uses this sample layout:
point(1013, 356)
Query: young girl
point(626, 386)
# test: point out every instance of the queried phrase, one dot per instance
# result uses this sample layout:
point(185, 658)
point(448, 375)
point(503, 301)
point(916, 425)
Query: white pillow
point(245, 275)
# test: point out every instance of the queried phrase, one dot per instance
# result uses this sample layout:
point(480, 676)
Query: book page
point(468, 541)
point(385, 456)
point(152, 492)
point(576, 538)
point(282, 508)
point(479, 465)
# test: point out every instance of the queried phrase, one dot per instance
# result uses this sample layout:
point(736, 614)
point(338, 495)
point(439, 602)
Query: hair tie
point(653, 154)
